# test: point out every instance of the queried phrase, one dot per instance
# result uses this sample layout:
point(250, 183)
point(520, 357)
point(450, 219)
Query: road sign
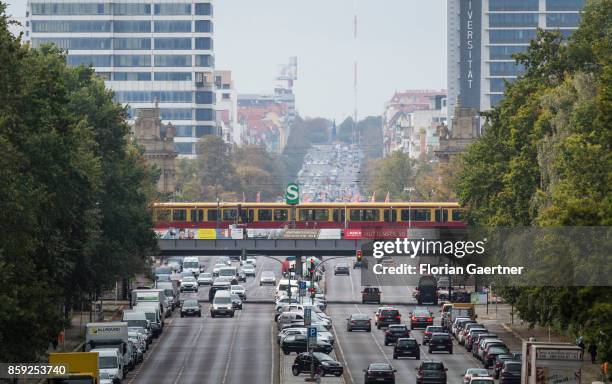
point(312, 337)
point(308, 317)
point(302, 285)
point(292, 194)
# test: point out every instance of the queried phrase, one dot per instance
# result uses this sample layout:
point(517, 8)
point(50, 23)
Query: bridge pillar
point(298, 266)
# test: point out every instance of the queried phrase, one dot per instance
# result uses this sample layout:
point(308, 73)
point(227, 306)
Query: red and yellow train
point(308, 215)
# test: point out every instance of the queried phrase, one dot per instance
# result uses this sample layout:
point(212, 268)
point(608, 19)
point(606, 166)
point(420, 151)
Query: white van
point(110, 362)
point(222, 304)
point(137, 319)
point(154, 316)
point(191, 265)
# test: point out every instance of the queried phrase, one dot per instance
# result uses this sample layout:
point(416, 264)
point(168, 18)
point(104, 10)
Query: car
point(491, 352)
point(499, 362)
point(322, 361)
point(299, 344)
point(267, 277)
point(460, 324)
point(240, 290)
point(218, 285)
point(474, 372)
point(440, 342)
point(394, 332)
point(217, 267)
point(342, 269)
point(379, 373)
point(248, 270)
point(241, 276)
point(224, 260)
point(386, 316)
point(485, 344)
point(429, 330)
point(406, 347)
point(189, 283)
point(431, 372)
point(236, 301)
point(463, 334)
point(370, 295)
point(205, 278)
point(510, 372)
point(222, 305)
point(471, 337)
point(191, 308)
point(359, 321)
point(476, 340)
point(290, 331)
point(421, 318)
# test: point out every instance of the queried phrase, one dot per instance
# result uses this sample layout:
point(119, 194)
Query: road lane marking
point(348, 370)
point(229, 357)
point(380, 348)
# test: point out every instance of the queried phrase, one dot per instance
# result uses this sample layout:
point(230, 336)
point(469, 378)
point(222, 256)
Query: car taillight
point(414, 318)
point(427, 333)
point(398, 317)
point(353, 322)
point(429, 319)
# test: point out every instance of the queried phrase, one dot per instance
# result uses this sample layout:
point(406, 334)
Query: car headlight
point(325, 363)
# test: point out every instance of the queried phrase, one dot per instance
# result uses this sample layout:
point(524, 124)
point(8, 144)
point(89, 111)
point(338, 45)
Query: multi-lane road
point(242, 349)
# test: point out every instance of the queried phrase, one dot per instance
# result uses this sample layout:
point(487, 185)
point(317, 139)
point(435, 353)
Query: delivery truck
point(548, 363)
point(82, 367)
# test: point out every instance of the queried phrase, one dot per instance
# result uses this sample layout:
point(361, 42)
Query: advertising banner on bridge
point(353, 233)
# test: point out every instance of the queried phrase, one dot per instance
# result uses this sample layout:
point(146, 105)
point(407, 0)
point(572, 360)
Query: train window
point(197, 215)
point(163, 214)
point(458, 215)
point(390, 215)
point(212, 215)
point(314, 215)
point(179, 215)
point(229, 214)
point(416, 214)
point(250, 215)
point(338, 215)
point(444, 215)
point(264, 214)
point(365, 215)
point(281, 215)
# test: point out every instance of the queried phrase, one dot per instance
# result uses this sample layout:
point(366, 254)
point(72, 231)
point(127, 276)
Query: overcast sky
point(400, 46)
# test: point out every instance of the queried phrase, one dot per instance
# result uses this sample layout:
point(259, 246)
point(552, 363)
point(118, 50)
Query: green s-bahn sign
point(292, 194)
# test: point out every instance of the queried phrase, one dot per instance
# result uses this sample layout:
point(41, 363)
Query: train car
point(371, 220)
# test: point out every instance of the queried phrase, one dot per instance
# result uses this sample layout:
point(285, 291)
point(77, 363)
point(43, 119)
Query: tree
point(391, 175)
point(215, 170)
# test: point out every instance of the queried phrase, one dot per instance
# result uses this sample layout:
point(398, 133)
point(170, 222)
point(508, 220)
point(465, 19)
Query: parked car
point(322, 361)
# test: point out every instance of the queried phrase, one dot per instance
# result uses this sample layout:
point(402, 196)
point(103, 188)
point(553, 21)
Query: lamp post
point(218, 212)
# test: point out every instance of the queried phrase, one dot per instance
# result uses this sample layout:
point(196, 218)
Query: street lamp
point(409, 190)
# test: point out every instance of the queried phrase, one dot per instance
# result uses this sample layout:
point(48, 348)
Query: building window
point(172, 76)
point(172, 60)
point(204, 130)
point(562, 20)
point(74, 43)
point(513, 20)
point(204, 61)
point(564, 5)
point(131, 9)
point(505, 52)
point(203, 9)
point(495, 99)
point(70, 26)
point(132, 76)
point(225, 96)
point(204, 97)
point(205, 114)
point(132, 61)
point(104, 75)
point(508, 68)
point(176, 113)
point(499, 85)
point(70, 8)
point(203, 26)
point(513, 5)
point(93, 60)
point(147, 96)
point(172, 43)
point(170, 9)
point(184, 130)
point(131, 26)
point(203, 43)
point(184, 148)
point(130, 43)
point(511, 36)
point(173, 26)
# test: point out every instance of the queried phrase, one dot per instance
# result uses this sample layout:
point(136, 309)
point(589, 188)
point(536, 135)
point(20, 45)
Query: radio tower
point(355, 131)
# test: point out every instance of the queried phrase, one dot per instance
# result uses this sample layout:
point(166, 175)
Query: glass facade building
point(147, 51)
point(482, 36)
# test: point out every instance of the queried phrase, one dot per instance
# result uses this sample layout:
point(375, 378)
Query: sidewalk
point(515, 331)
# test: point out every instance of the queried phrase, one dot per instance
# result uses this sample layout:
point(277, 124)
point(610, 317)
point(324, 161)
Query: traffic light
point(359, 255)
point(312, 267)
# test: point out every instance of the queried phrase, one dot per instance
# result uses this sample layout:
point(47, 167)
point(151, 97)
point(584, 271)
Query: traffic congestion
point(204, 319)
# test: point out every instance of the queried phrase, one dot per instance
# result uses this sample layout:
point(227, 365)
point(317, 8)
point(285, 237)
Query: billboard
point(470, 19)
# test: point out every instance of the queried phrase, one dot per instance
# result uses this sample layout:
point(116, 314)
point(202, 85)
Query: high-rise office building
point(482, 35)
point(148, 52)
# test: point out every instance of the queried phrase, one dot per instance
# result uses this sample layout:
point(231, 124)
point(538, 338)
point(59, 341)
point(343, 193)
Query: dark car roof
point(432, 365)
point(380, 367)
